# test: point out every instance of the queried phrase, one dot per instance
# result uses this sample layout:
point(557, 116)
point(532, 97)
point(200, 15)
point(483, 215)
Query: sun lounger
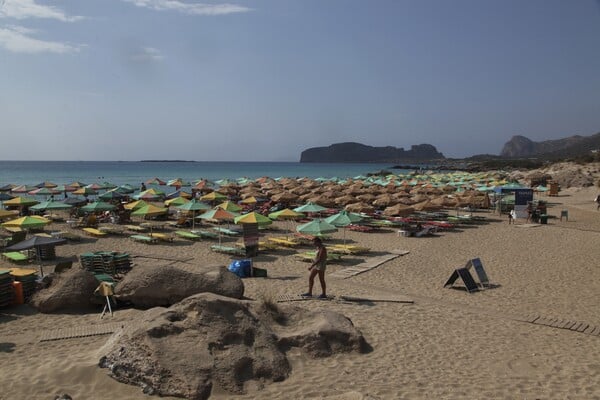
point(309, 256)
point(236, 251)
point(143, 239)
point(348, 249)
point(111, 229)
point(135, 228)
point(287, 242)
point(426, 231)
point(228, 232)
point(162, 237)
point(15, 256)
point(206, 234)
point(188, 235)
point(70, 236)
point(94, 232)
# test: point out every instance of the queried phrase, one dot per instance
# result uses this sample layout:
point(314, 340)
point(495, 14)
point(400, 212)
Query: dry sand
point(448, 344)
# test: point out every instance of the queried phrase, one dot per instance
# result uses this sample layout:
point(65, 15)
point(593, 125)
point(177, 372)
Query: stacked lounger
point(106, 262)
point(28, 278)
point(7, 293)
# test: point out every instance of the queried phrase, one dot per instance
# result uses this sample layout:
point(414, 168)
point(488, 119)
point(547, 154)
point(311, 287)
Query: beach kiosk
point(523, 195)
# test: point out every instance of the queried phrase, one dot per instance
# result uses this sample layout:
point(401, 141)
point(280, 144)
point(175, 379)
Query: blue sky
point(265, 79)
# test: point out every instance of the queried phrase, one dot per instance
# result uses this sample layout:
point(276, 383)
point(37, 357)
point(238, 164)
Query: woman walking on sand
point(318, 267)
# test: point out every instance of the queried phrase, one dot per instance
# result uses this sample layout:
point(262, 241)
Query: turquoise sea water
point(133, 173)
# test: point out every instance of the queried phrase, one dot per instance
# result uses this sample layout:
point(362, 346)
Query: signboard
point(251, 239)
point(522, 196)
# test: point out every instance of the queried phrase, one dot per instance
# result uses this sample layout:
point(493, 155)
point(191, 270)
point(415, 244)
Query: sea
point(136, 172)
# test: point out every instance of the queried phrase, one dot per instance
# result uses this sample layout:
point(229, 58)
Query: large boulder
point(70, 290)
point(208, 342)
point(154, 286)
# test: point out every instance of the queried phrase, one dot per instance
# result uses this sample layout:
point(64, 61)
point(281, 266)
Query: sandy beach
point(448, 344)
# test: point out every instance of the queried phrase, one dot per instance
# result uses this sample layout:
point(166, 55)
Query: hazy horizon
point(263, 80)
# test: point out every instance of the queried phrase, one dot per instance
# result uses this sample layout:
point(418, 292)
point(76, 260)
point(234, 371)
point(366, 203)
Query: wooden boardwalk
point(575, 326)
point(80, 332)
point(373, 262)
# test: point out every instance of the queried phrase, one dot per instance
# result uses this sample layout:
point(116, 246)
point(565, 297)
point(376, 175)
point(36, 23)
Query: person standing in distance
point(318, 267)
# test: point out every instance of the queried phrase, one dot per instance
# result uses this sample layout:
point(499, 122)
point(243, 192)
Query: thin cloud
point(147, 54)
point(22, 9)
point(18, 40)
point(190, 8)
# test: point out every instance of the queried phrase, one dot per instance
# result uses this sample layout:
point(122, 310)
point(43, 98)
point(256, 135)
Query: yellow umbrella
point(253, 218)
point(214, 196)
point(229, 206)
point(134, 205)
point(177, 201)
point(6, 214)
point(31, 222)
point(249, 200)
point(21, 201)
point(149, 210)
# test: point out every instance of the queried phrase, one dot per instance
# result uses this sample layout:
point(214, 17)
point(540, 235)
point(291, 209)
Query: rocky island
point(359, 153)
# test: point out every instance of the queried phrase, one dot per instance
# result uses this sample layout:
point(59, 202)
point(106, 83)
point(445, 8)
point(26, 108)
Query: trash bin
point(543, 219)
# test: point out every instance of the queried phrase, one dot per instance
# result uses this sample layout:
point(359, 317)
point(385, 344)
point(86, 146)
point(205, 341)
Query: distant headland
point(360, 153)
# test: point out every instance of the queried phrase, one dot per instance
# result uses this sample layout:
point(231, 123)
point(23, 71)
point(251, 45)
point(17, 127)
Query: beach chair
point(228, 232)
point(16, 256)
point(206, 234)
point(143, 239)
point(188, 235)
point(348, 249)
point(94, 232)
point(161, 237)
point(287, 242)
point(135, 228)
point(309, 256)
point(70, 236)
point(234, 251)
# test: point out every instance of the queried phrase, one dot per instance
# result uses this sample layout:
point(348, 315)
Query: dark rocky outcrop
point(208, 341)
point(357, 152)
point(153, 285)
point(520, 146)
point(68, 291)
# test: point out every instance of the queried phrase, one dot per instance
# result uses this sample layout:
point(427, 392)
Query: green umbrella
point(310, 207)
point(111, 195)
point(316, 227)
point(51, 205)
point(343, 219)
point(193, 206)
point(220, 215)
point(98, 206)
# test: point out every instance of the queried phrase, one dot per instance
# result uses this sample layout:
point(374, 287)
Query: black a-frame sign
point(478, 266)
point(467, 278)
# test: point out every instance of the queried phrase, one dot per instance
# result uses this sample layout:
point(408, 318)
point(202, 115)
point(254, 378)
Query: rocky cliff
point(360, 153)
point(520, 146)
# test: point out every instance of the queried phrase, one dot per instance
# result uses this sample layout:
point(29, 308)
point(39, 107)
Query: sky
point(263, 80)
